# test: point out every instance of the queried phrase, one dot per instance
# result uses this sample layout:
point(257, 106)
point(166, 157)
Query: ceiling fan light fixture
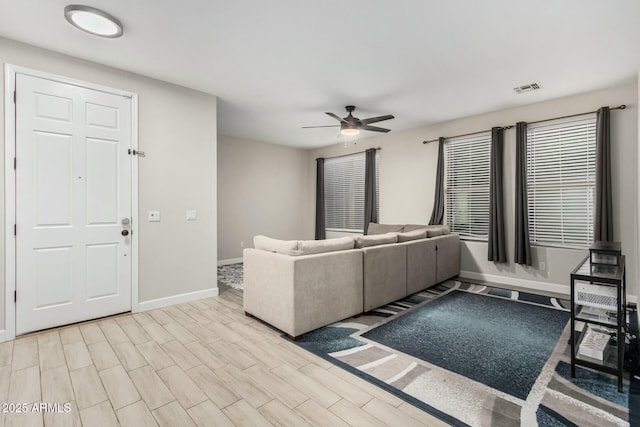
point(351, 126)
point(93, 21)
point(349, 131)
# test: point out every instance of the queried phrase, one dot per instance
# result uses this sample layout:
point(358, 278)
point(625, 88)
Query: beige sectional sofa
point(298, 286)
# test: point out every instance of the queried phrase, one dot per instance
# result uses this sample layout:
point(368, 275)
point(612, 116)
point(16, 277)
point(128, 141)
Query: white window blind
point(344, 192)
point(561, 162)
point(467, 169)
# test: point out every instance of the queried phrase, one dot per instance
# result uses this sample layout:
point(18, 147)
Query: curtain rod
point(345, 155)
point(466, 134)
point(620, 107)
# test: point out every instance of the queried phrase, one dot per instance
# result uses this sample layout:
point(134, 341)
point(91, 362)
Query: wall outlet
point(154, 216)
point(542, 266)
point(192, 215)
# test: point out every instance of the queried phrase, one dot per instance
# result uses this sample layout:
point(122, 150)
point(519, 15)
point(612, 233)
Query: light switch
point(192, 215)
point(154, 216)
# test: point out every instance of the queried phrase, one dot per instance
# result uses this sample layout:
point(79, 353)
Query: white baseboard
point(229, 261)
point(177, 299)
point(3, 335)
point(529, 284)
point(523, 283)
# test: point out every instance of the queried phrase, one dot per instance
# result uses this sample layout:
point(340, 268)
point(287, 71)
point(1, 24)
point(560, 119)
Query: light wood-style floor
point(195, 364)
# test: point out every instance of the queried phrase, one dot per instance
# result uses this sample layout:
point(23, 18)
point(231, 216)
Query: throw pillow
point(309, 247)
point(379, 239)
point(412, 235)
point(286, 247)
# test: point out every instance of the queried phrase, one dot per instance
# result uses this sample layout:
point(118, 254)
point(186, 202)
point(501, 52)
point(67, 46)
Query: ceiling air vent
point(527, 88)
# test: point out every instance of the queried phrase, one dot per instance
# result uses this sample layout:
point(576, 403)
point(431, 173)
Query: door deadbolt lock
point(125, 232)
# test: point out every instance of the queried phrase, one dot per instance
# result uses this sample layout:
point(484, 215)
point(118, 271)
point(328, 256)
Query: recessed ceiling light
point(93, 21)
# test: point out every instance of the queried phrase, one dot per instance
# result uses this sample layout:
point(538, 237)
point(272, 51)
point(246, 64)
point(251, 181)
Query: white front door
point(73, 203)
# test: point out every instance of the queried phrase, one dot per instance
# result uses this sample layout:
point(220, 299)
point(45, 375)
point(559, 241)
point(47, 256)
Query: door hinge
point(15, 229)
point(14, 96)
point(15, 161)
point(15, 296)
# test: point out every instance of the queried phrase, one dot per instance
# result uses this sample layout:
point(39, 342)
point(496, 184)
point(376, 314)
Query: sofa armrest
point(385, 274)
point(421, 264)
point(298, 294)
point(447, 256)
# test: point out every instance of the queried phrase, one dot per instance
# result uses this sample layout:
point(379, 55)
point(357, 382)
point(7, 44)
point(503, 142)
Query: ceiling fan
point(350, 125)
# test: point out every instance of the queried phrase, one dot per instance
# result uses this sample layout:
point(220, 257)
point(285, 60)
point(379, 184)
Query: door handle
point(125, 232)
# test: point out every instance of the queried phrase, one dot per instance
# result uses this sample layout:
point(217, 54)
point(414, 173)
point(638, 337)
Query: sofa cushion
point(412, 227)
point(375, 240)
point(383, 228)
point(412, 235)
point(286, 247)
point(432, 230)
point(437, 230)
point(308, 247)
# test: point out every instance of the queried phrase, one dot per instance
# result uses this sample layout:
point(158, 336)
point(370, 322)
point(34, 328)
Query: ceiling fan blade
point(376, 119)
point(374, 128)
point(327, 126)
point(335, 117)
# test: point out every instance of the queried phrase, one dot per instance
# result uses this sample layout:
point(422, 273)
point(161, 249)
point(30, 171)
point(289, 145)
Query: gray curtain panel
point(370, 213)
point(437, 214)
point(497, 249)
point(522, 252)
point(603, 227)
point(320, 223)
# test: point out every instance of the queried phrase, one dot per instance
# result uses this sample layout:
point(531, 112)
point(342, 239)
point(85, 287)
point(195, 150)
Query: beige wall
point(261, 190)
point(407, 179)
point(178, 131)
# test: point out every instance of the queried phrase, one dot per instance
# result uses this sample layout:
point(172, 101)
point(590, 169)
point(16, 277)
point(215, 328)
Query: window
point(561, 162)
point(344, 192)
point(466, 188)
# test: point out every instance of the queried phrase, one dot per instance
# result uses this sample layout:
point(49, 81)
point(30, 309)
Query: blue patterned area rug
point(475, 355)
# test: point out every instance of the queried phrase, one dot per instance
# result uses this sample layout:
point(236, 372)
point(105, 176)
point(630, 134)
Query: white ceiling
point(278, 65)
